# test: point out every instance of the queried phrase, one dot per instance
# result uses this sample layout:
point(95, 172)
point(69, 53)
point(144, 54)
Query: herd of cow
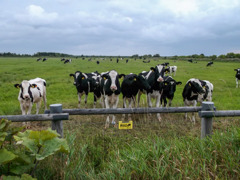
point(155, 83)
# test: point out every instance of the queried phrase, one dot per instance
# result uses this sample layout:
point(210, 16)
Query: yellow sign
point(128, 125)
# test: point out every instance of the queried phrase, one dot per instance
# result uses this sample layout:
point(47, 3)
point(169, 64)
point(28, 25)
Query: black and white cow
point(210, 63)
point(67, 61)
point(111, 90)
point(86, 83)
point(168, 90)
point(196, 91)
point(39, 59)
point(237, 76)
point(44, 59)
point(171, 70)
point(130, 87)
point(32, 91)
point(154, 78)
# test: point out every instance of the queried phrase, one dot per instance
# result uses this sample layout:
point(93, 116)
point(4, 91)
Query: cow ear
point(121, 75)
point(33, 85)
point(235, 69)
point(179, 83)
point(71, 75)
point(17, 85)
point(153, 69)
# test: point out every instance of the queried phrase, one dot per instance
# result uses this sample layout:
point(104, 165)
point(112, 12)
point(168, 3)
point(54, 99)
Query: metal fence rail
point(56, 114)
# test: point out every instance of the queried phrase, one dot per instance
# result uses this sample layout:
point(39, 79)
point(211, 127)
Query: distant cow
point(148, 61)
point(111, 90)
point(154, 78)
point(190, 60)
point(196, 91)
point(210, 63)
point(39, 59)
point(237, 76)
point(32, 91)
point(130, 87)
point(171, 70)
point(63, 59)
point(44, 59)
point(67, 61)
point(168, 90)
point(98, 62)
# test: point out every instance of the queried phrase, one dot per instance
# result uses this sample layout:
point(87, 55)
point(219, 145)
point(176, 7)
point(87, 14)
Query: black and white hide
point(171, 70)
point(168, 90)
point(32, 91)
point(237, 76)
point(111, 90)
point(196, 91)
point(154, 77)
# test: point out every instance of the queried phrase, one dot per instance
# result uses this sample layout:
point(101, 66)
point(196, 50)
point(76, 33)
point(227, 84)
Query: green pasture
point(60, 87)
point(170, 149)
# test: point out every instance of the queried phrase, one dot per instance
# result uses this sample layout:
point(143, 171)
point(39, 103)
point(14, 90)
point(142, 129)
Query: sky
point(120, 27)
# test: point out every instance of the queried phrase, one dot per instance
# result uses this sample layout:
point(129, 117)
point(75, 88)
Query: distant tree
point(213, 57)
point(156, 55)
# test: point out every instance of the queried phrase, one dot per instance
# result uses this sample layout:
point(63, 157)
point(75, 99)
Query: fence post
point(206, 122)
point(57, 125)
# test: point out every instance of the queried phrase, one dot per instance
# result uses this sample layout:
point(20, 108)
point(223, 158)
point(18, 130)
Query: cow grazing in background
point(130, 87)
point(98, 62)
point(63, 59)
point(86, 83)
point(126, 60)
point(154, 78)
point(111, 90)
point(210, 63)
point(196, 91)
point(190, 60)
point(237, 76)
point(39, 59)
point(44, 59)
point(171, 70)
point(168, 90)
point(32, 91)
point(67, 61)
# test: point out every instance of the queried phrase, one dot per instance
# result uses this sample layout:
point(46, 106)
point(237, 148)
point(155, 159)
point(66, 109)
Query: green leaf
point(20, 168)
point(6, 156)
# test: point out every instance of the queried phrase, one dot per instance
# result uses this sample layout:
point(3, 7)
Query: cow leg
point(124, 106)
point(79, 99)
point(236, 82)
point(116, 99)
point(38, 105)
point(169, 102)
point(149, 100)
point(130, 101)
point(45, 101)
point(193, 114)
point(165, 101)
point(107, 107)
point(85, 101)
point(139, 96)
point(157, 105)
point(94, 101)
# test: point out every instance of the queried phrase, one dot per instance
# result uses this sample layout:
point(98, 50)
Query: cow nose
point(113, 88)
point(26, 96)
point(160, 79)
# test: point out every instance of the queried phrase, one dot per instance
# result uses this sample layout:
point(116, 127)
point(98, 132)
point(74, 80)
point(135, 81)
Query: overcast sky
point(120, 27)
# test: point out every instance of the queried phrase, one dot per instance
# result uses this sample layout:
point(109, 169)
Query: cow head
point(169, 85)
point(25, 90)
point(159, 72)
point(79, 77)
point(112, 78)
point(197, 86)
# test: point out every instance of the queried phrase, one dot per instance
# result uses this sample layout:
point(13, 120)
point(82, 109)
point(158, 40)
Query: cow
point(67, 61)
point(63, 59)
point(168, 90)
point(190, 60)
point(130, 87)
point(154, 78)
point(209, 63)
point(39, 59)
point(86, 83)
point(44, 59)
point(237, 76)
point(145, 61)
point(196, 91)
point(32, 91)
point(171, 70)
point(111, 90)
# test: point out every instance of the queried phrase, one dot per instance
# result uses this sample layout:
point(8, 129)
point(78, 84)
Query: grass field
point(152, 150)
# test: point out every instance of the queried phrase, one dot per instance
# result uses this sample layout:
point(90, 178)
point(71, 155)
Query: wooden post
point(57, 124)
point(206, 122)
